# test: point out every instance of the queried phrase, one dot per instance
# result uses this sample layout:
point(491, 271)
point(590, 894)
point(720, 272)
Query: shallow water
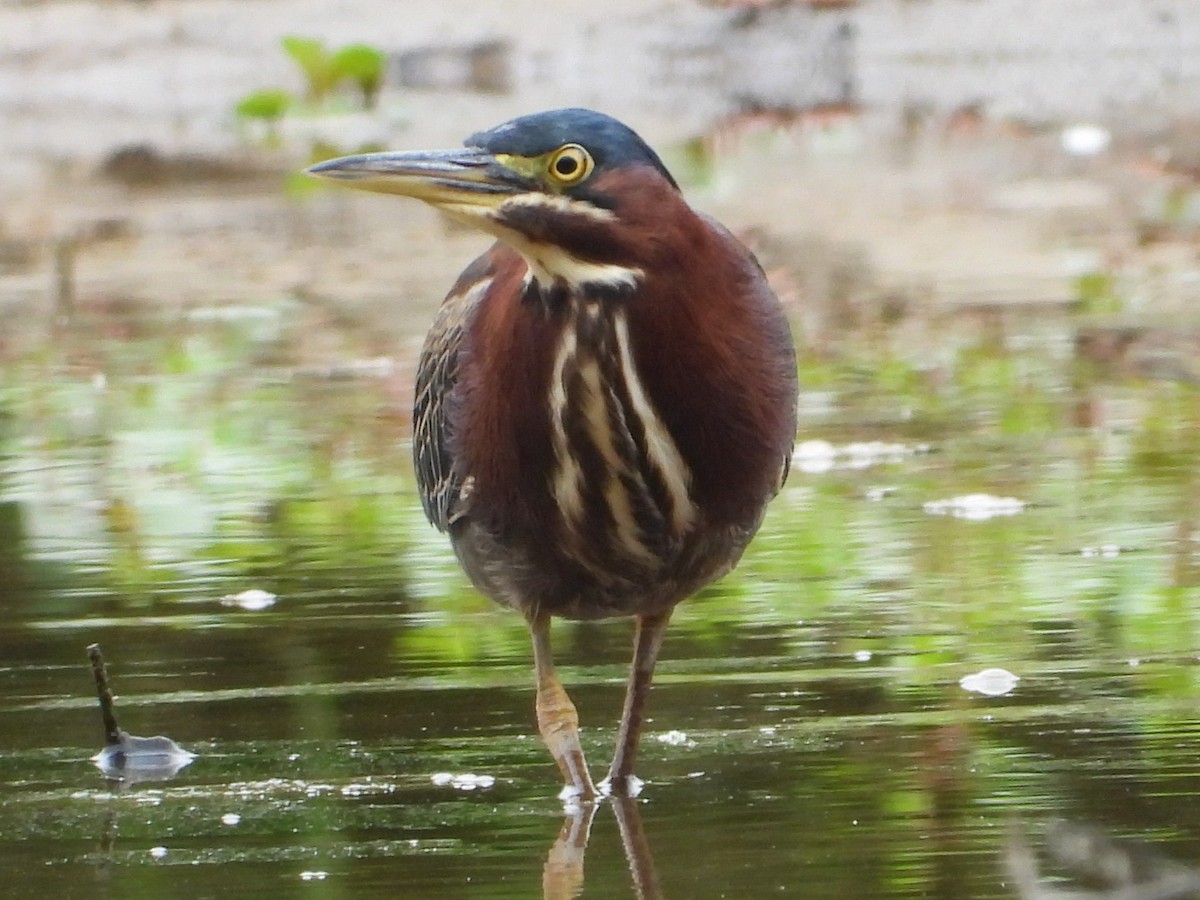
point(961, 659)
point(809, 733)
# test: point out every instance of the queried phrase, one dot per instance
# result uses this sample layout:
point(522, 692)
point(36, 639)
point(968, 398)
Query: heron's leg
point(646, 643)
point(557, 720)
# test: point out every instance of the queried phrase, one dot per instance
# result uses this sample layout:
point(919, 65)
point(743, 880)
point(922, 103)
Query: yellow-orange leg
point(646, 643)
point(557, 720)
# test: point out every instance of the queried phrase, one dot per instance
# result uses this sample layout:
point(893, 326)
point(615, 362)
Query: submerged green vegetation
point(201, 450)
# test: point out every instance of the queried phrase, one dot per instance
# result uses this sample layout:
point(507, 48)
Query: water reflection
point(1108, 868)
point(131, 760)
point(637, 848)
point(562, 875)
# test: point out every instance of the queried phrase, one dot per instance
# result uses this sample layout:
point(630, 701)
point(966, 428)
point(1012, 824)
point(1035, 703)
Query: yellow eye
point(570, 164)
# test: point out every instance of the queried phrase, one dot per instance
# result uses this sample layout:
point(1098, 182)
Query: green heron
point(606, 400)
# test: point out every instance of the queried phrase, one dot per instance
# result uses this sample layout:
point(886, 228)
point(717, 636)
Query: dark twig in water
point(112, 731)
point(126, 757)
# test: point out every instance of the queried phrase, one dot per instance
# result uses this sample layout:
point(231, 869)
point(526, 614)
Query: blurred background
point(983, 218)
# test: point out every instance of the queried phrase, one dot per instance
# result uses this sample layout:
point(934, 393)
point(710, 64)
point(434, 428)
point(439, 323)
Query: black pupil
point(566, 166)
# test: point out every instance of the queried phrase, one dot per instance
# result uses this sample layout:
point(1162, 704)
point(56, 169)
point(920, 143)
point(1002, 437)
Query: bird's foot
point(628, 785)
point(559, 725)
point(578, 787)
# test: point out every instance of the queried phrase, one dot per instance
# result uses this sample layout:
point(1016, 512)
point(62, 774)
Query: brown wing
point(439, 481)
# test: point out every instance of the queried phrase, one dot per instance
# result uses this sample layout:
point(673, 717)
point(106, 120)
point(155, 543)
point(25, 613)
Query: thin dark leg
point(557, 720)
point(646, 644)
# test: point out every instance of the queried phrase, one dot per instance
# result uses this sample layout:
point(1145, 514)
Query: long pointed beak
point(456, 178)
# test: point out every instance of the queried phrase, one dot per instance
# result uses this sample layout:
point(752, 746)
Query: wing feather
point(439, 481)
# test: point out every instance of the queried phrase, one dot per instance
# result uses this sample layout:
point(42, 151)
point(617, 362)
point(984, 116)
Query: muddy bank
point(927, 141)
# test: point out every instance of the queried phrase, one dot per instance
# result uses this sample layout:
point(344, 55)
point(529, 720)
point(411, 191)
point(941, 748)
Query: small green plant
point(267, 105)
point(364, 65)
point(1097, 293)
point(324, 71)
point(316, 63)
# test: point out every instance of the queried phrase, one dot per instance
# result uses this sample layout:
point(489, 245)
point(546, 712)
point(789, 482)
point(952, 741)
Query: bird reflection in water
point(562, 876)
point(1112, 869)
